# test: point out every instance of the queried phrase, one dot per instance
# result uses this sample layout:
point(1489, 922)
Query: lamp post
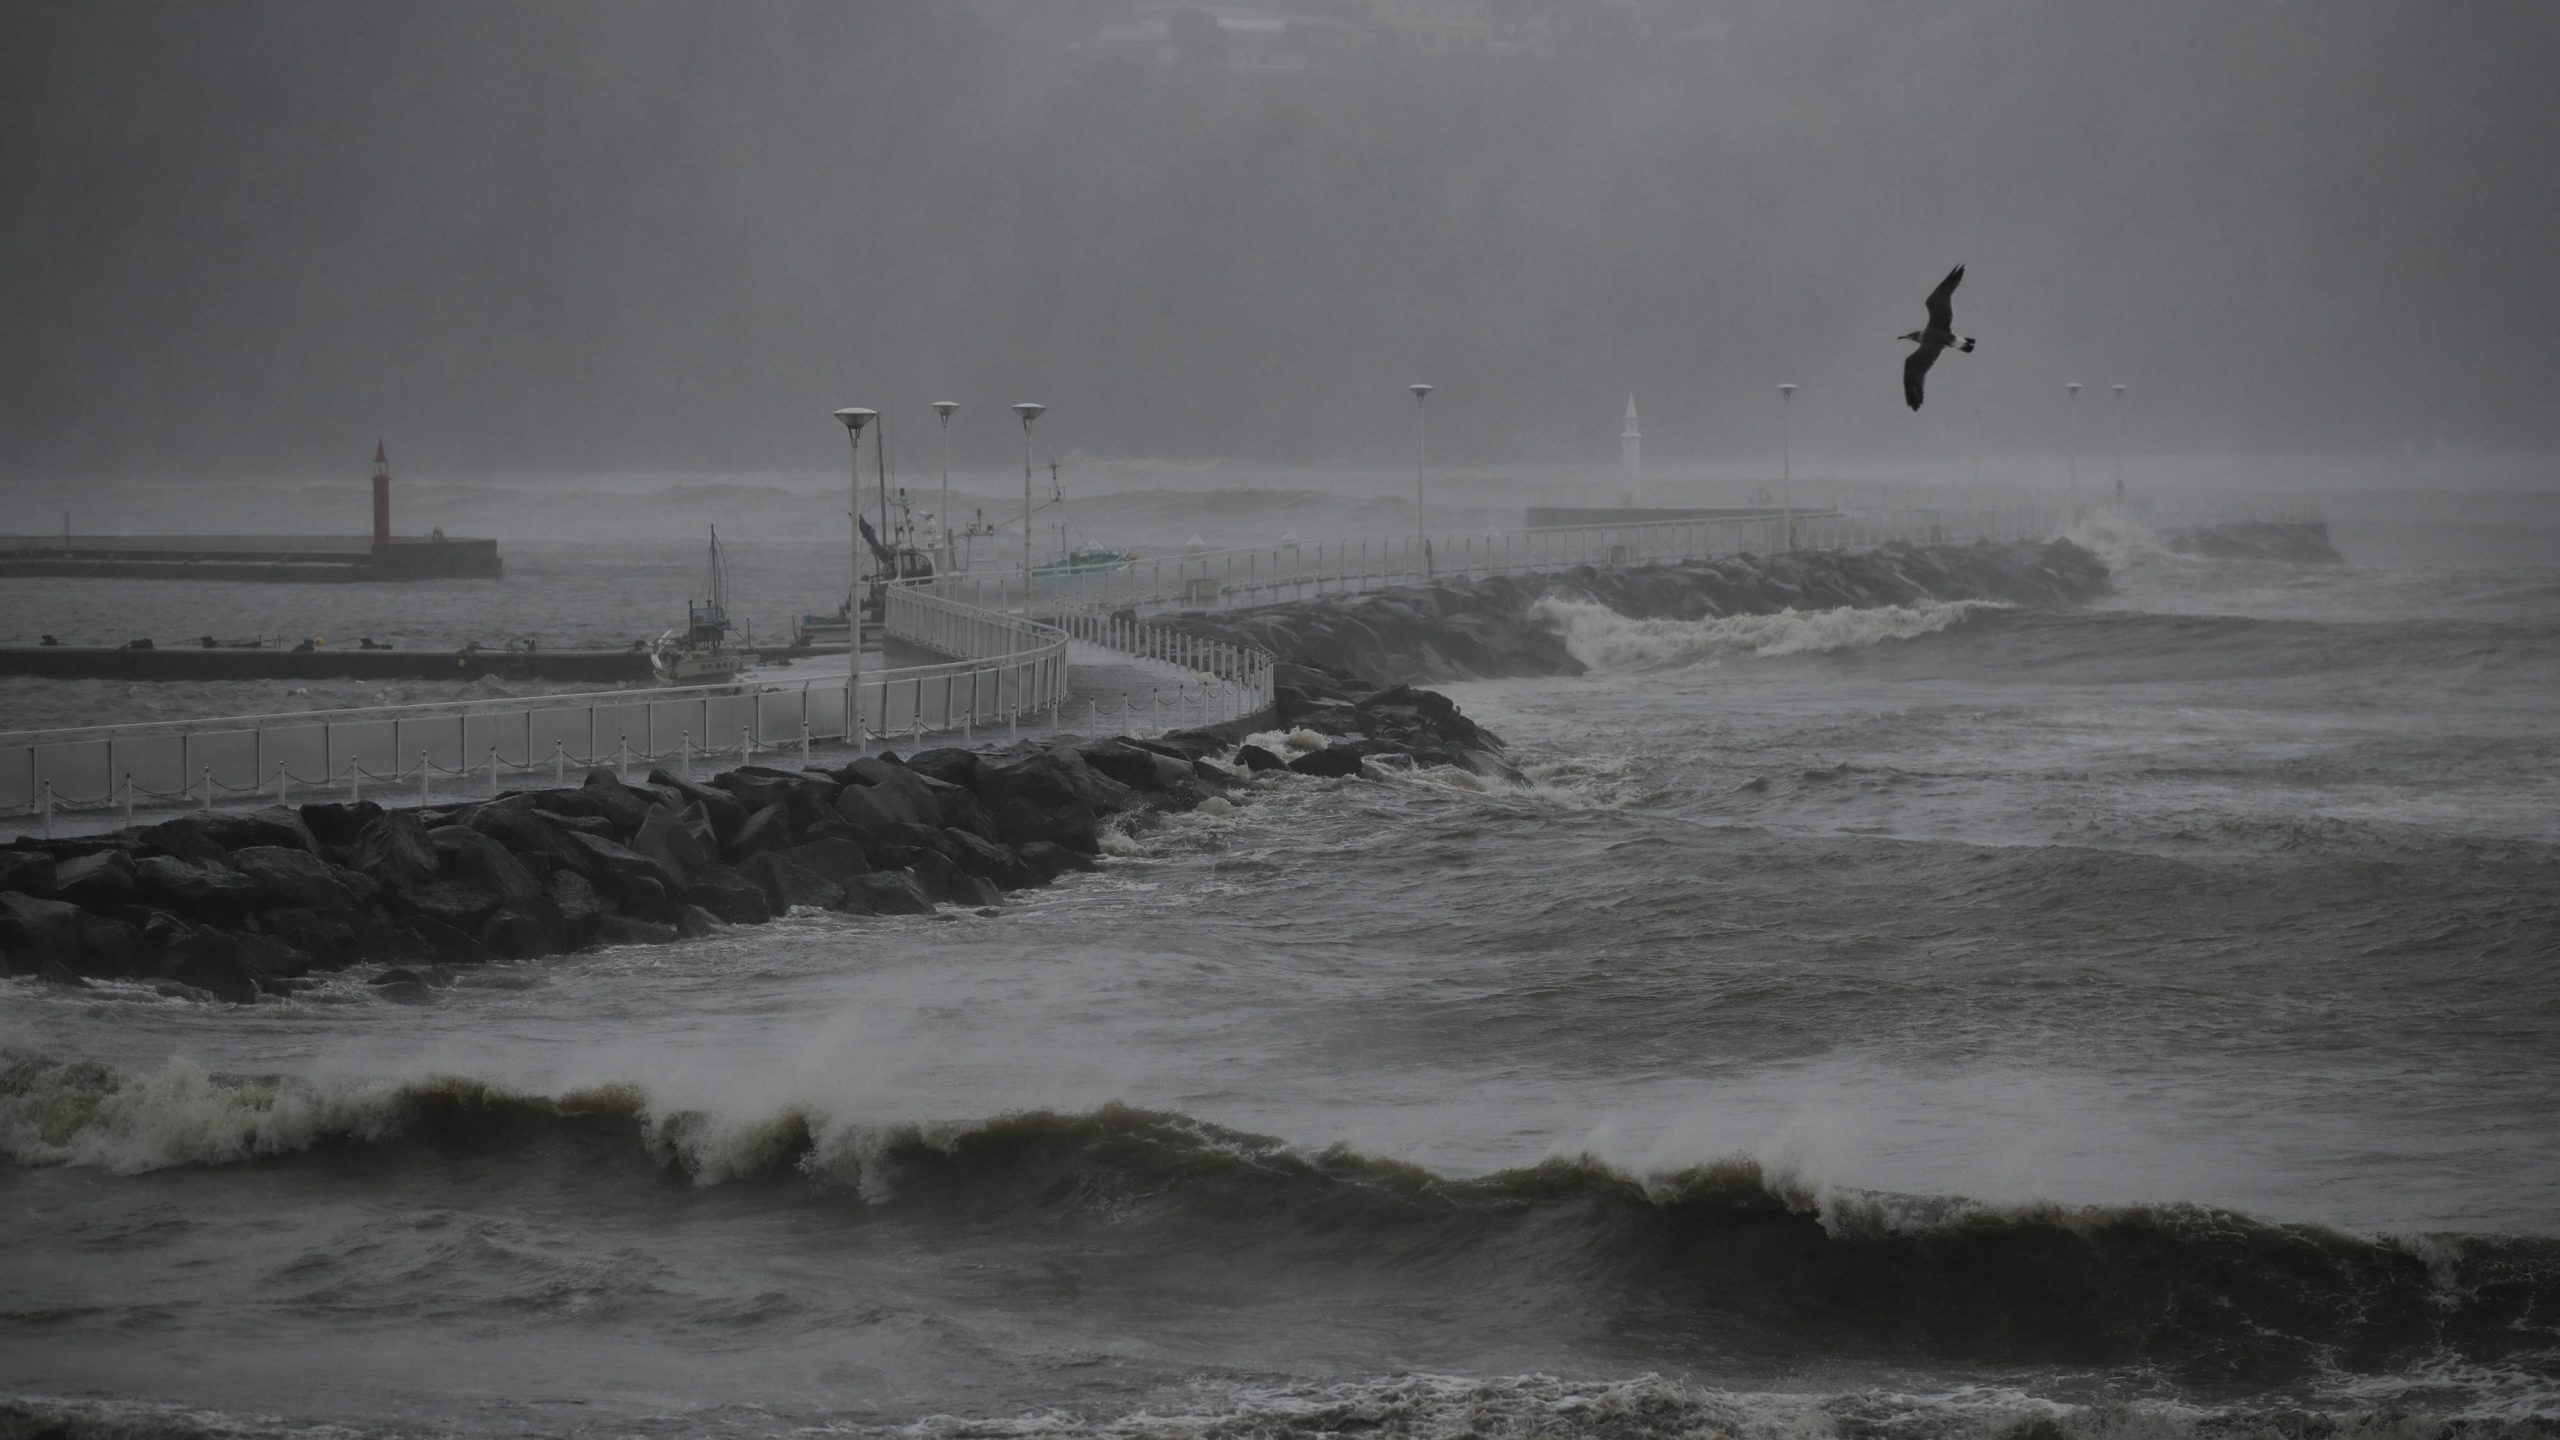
point(1029, 412)
point(944, 408)
point(1787, 459)
point(2118, 387)
point(2071, 444)
point(1421, 461)
point(854, 420)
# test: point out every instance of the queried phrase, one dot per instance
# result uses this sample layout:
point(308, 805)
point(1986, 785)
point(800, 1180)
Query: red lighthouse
point(381, 497)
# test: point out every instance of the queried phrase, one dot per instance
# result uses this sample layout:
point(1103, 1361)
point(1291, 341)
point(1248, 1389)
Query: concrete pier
point(286, 558)
point(173, 662)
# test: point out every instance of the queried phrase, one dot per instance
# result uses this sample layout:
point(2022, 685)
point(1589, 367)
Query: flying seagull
point(1940, 335)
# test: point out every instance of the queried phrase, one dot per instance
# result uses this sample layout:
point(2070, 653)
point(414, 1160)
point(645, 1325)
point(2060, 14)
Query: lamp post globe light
point(1029, 412)
point(944, 408)
point(1421, 461)
point(853, 418)
point(1787, 459)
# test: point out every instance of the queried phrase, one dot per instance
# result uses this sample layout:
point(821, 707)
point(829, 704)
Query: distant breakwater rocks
point(1485, 628)
point(219, 905)
point(2300, 542)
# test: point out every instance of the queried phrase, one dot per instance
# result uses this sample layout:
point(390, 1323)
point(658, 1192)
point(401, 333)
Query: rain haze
point(1425, 805)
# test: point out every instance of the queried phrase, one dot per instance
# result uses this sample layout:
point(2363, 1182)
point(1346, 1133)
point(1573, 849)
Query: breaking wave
point(1737, 1251)
point(1603, 639)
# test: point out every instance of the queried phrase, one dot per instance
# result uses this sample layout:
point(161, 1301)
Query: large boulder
point(521, 826)
point(664, 837)
point(960, 807)
point(28, 872)
point(212, 961)
point(483, 864)
point(991, 861)
point(617, 802)
point(1049, 860)
point(732, 897)
point(1331, 761)
point(768, 828)
point(787, 883)
point(950, 765)
point(34, 930)
point(525, 929)
point(98, 881)
point(1054, 778)
point(423, 937)
point(1134, 765)
point(836, 858)
point(336, 823)
point(393, 848)
point(613, 861)
point(886, 892)
point(330, 939)
point(626, 930)
point(722, 808)
point(579, 904)
point(295, 878)
point(447, 902)
point(199, 892)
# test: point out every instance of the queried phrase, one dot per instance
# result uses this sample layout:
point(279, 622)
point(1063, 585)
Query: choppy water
point(1903, 1023)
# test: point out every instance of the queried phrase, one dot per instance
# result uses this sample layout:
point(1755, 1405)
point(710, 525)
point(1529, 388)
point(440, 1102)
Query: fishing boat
point(700, 652)
point(1095, 561)
point(904, 560)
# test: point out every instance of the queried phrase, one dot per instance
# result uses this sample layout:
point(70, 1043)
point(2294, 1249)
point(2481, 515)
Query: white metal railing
point(1011, 667)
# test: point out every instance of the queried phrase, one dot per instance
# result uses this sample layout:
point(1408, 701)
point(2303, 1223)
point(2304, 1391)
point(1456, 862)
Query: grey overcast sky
point(247, 237)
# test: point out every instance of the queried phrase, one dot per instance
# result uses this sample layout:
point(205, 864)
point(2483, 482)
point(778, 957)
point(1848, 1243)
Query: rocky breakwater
point(231, 906)
point(2300, 542)
point(1489, 628)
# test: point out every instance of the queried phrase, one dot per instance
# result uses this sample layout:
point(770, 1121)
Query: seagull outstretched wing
point(1915, 369)
point(1942, 309)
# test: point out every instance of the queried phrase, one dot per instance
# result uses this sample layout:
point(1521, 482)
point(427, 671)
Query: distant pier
point(283, 558)
point(192, 662)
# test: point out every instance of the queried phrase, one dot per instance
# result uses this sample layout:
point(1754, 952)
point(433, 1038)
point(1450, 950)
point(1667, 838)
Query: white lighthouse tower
point(1631, 454)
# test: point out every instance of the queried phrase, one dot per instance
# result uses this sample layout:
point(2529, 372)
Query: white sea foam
point(1606, 640)
point(2119, 540)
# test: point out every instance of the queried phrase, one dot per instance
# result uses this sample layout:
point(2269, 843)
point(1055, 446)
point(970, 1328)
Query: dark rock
point(617, 802)
point(293, 878)
point(187, 838)
point(624, 930)
point(337, 823)
point(996, 863)
point(524, 929)
point(527, 831)
point(886, 892)
point(872, 810)
point(428, 938)
point(757, 786)
point(835, 858)
point(1331, 761)
point(580, 906)
point(950, 765)
point(396, 976)
point(1049, 860)
point(723, 809)
point(482, 863)
point(394, 849)
point(664, 837)
point(732, 898)
point(176, 990)
point(407, 990)
point(940, 878)
point(1022, 822)
point(1054, 779)
point(211, 961)
point(1133, 765)
point(329, 939)
point(1255, 758)
point(199, 892)
point(98, 881)
point(27, 872)
point(33, 931)
point(53, 972)
point(114, 947)
point(614, 861)
point(447, 902)
point(694, 923)
point(768, 828)
point(788, 883)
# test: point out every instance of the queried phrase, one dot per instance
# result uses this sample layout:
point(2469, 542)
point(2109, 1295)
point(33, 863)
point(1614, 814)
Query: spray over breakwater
point(1497, 627)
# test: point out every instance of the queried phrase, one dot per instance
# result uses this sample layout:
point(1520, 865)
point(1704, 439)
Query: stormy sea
point(1941, 1020)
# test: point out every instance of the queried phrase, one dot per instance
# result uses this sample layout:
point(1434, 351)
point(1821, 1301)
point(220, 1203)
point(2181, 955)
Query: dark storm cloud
point(589, 233)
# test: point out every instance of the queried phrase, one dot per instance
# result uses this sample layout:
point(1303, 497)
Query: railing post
point(493, 767)
point(804, 732)
point(208, 787)
point(422, 777)
point(48, 809)
point(559, 762)
point(1014, 725)
point(280, 774)
point(746, 744)
point(355, 776)
point(622, 756)
point(684, 754)
point(1155, 709)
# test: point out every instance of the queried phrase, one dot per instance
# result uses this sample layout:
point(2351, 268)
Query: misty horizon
point(594, 237)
